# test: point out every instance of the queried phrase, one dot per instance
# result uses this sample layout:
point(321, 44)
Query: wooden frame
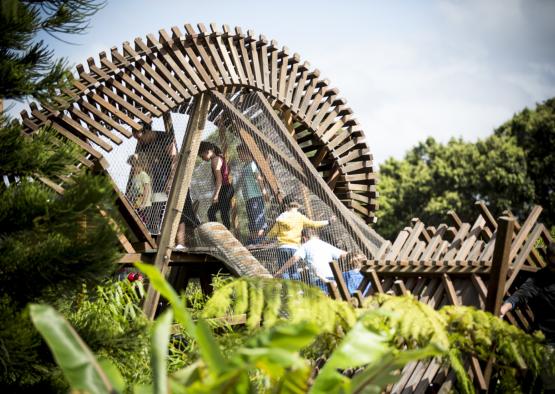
point(437, 271)
point(128, 87)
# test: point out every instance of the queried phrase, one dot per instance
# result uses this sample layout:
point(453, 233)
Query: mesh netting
point(262, 182)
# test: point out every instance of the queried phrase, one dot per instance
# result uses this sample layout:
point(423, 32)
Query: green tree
point(27, 66)
point(50, 244)
point(434, 178)
point(534, 131)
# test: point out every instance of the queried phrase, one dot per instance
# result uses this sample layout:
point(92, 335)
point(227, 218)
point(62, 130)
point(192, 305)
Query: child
point(140, 193)
point(318, 254)
point(287, 229)
point(252, 187)
point(223, 190)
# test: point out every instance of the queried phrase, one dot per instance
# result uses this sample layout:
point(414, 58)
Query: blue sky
point(409, 69)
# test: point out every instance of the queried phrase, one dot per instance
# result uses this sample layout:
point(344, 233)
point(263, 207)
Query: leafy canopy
point(511, 169)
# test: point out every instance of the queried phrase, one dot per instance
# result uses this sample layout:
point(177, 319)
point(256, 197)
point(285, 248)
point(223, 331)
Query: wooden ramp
point(226, 248)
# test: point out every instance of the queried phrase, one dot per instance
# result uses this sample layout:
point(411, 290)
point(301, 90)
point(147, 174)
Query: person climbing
point(252, 187)
point(189, 219)
point(223, 190)
point(538, 292)
point(318, 254)
point(288, 230)
point(140, 192)
point(158, 149)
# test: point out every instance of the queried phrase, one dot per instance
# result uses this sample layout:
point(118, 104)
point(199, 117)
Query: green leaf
point(188, 374)
point(201, 333)
point(158, 281)
point(292, 337)
point(294, 382)
point(78, 363)
point(209, 349)
point(376, 376)
point(159, 351)
point(113, 373)
point(360, 346)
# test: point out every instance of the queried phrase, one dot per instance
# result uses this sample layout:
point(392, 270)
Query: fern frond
point(484, 335)
point(270, 301)
point(415, 323)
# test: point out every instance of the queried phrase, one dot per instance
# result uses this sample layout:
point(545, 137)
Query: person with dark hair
point(287, 230)
point(538, 292)
point(223, 190)
point(254, 191)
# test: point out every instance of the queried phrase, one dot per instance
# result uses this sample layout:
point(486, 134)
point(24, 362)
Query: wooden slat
point(123, 77)
point(524, 231)
point(375, 281)
point(217, 38)
point(215, 55)
point(162, 70)
point(245, 58)
point(174, 54)
point(160, 82)
point(523, 254)
point(154, 86)
point(160, 50)
point(194, 38)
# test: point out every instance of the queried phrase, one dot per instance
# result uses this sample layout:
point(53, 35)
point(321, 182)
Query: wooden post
point(500, 264)
point(178, 193)
point(341, 285)
point(498, 276)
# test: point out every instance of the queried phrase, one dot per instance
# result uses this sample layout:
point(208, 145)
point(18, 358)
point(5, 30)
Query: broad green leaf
point(209, 349)
point(359, 347)
point(142, 389)
point(158, 281)
point(376, 376)
point(294, 382)
point(113, 373)
point(159, 351)
point(188, 374)
point(292, 337)
point(207, 345)
point(273, 361)
point(233, 381)
point(275, 350)
point(78, 363)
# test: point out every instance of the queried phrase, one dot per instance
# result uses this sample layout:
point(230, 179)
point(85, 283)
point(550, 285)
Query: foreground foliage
point(274, 354)
point(49, 243)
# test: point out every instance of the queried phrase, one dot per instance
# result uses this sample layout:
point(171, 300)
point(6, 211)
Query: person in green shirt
point(251, 184)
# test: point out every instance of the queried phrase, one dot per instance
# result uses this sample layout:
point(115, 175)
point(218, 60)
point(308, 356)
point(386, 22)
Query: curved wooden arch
point(122, 91)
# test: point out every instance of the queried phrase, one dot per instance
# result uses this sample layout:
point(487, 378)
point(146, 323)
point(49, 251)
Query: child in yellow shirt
point(287, 230)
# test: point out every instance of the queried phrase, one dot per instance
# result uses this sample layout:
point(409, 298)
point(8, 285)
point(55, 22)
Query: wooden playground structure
point(313, 138)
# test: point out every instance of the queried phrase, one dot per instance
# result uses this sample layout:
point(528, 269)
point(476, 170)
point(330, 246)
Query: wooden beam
point(178, 193)
point(500, 265)
point(342, 287)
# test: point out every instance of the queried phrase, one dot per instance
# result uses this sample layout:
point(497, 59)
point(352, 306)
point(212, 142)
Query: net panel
point(260, 183)
point(142, 167)
point(260, 180)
